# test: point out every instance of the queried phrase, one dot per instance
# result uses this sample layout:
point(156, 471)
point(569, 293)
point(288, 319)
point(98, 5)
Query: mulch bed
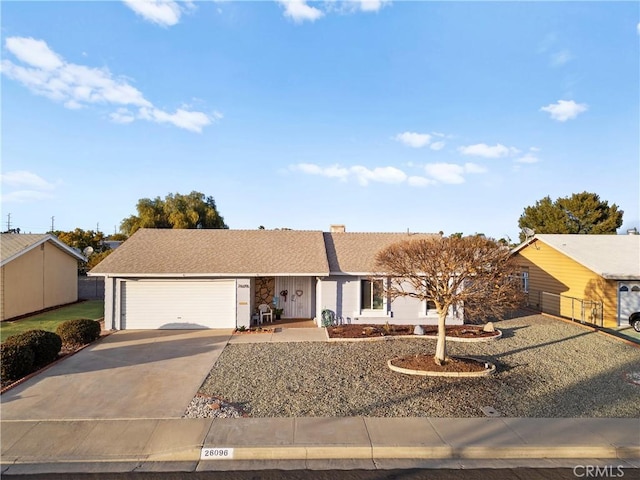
point(427, 363)
point(368, 331)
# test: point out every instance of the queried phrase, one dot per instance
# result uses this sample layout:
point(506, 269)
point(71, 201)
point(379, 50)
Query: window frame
point(383, 311)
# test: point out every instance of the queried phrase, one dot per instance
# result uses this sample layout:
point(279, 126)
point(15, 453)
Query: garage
point(178, 304)
point(628, 301)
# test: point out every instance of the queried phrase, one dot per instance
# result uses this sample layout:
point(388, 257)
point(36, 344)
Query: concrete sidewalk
point(282, 335)
point(317, 443)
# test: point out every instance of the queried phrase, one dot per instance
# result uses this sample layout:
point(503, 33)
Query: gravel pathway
point(545, 368)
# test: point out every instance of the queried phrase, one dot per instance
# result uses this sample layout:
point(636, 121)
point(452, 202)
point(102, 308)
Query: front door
point(293, 295)
point(628, 301)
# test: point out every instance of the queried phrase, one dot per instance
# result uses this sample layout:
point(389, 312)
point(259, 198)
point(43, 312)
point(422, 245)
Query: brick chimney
point(337, 229)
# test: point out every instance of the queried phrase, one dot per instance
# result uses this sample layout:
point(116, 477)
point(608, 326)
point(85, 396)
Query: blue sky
point(384, 116)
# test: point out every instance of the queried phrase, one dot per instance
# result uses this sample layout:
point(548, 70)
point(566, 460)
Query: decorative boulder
point(489, 327)
point(418, 330)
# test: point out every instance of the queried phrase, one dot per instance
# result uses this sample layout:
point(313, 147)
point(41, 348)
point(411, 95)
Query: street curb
point(362, 452)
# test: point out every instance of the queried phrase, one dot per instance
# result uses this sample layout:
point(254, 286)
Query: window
point(624, 288)
point(525, 282)
point(372, 295)
point(431, 308)
point(635, 289)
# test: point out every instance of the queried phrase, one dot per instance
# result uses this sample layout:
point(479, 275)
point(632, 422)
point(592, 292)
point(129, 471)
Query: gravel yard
point(545, 368)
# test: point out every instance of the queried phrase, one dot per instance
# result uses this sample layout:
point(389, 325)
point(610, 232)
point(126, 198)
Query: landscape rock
point(418, 330)
point(489, 327)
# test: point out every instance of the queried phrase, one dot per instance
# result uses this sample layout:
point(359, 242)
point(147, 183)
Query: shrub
point(45, 345)
point(79, 332)
point(16, 361)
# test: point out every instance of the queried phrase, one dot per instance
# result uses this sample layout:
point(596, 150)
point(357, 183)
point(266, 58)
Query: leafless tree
point(474, 272)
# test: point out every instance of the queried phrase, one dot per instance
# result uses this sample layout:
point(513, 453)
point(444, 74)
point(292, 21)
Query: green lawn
point(93, 309)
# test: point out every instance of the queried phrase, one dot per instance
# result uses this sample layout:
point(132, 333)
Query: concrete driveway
point(129, 374)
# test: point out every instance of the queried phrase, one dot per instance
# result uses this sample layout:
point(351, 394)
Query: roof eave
point(620, 276)
point(59, 244)
point(205, 275)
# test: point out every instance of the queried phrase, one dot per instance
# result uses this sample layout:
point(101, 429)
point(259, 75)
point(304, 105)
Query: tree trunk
point(441, 345)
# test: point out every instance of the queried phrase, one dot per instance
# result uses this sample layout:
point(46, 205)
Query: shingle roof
point(615, 257)
point(355, 252)
point(12, 245)
point(218, 252)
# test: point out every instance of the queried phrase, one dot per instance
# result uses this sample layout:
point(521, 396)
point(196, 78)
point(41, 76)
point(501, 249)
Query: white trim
point(57, 243)
point(371, 312)
point(202, 275)
point(424, 313)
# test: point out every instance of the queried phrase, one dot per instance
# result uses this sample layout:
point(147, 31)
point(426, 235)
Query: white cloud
point(378, 174)
point(419, 140)
point(34, 52)
point(78, 86)
point(23, 178)
point(638, 28)
point(416, 181)
point(161, 12)
point(333, 171)
point(528, 158)
point(564, 110)
point(28, 185)
point(450, 172)
point(445, 172)
point(122, 115)
point(412, 139)
point(487, 151)
point(363, 5)
point(474, 168)
point(25, 196)
point(560, 58)
point(361, 174)
point(299, 11)
point(435, 173)
point(193, 121)
point(371, 5)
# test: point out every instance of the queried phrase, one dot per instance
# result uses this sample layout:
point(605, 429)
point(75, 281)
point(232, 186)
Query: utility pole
point(8, 222)
point(52, 229)
point(98, 227)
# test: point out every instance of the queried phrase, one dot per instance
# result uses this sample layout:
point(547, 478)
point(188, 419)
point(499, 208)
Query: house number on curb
point(216, 454)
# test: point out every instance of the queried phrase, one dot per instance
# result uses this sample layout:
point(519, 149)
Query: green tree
point(581, 213)
point(96, 258)
point(82, 239)
point(117, 237)
point(475, 272)
point(174, 211)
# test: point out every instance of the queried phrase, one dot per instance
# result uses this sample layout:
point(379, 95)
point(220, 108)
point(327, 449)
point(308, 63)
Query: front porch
point(291, 300)
point(288, 323)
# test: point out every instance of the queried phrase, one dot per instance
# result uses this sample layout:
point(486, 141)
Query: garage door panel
point(178, 304)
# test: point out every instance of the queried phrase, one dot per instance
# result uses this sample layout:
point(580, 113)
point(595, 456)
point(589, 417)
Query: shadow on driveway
point(129, 374)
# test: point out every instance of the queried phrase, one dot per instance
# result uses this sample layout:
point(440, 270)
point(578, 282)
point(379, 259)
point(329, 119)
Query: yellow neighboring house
point(38, 271)
point(594, 278)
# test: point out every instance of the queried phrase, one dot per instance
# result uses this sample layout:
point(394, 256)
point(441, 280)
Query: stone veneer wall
point(265, 289)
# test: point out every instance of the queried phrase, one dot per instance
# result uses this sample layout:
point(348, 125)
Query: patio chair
point(265, 312)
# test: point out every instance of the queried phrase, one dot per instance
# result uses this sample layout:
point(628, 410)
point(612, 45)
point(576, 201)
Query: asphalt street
point(578, 472)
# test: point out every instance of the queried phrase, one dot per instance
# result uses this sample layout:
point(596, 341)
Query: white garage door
point(182, 304)
point(628, 301)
